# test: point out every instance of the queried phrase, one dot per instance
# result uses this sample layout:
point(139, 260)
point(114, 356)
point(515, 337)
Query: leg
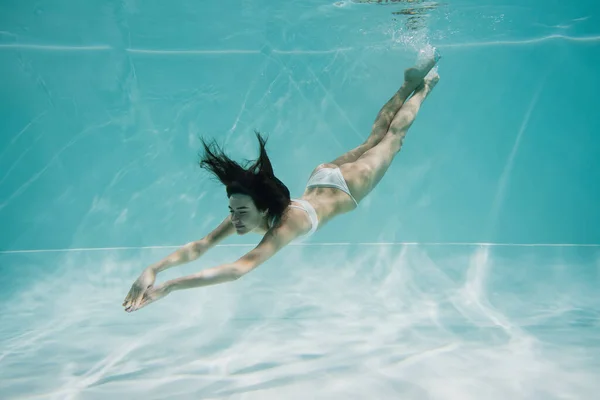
point(413, 77)
point(366, 172)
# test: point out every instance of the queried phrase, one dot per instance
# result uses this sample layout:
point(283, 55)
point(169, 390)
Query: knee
point(399, 130)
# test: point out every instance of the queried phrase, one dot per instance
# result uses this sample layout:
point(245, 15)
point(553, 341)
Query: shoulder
point(285, 225)
point(284, 231)
point(293, 220)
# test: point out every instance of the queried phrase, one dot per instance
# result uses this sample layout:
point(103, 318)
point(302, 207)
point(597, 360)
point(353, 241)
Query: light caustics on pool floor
point(334, 322)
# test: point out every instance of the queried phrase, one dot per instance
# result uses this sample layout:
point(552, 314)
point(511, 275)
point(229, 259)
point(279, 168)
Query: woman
point(260, 203)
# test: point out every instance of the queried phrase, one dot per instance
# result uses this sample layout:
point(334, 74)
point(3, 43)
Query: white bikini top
point(309, 209)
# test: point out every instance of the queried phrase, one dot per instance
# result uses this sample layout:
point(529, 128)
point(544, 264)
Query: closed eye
point(239, 209)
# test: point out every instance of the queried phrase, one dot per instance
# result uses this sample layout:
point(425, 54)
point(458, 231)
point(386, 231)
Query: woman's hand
point(139, 288)
point(151, 295)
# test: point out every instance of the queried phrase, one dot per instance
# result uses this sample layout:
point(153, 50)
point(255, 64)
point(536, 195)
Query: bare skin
point(362, 168)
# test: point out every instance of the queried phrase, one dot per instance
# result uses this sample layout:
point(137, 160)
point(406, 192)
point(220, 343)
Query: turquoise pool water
point(471, 272)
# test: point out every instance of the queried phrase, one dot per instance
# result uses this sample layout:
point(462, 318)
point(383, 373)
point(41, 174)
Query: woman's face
point(245, 217)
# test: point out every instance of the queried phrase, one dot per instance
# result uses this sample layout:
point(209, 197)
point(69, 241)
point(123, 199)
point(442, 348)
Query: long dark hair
point(256, 179)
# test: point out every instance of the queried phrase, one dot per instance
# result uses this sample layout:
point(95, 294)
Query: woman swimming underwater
point(261, 203)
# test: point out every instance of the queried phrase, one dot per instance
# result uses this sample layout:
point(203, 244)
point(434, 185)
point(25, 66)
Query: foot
point(429, 82)
point(426, 60)
point(432, 78)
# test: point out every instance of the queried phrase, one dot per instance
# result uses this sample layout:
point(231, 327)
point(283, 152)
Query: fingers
point(149, 296)
point(139, 297)
point(131, 296)
point(134, 297)
point(137, 300)
point(132, 305)
point(128, 297)
point(140, 302)
point(144, 303)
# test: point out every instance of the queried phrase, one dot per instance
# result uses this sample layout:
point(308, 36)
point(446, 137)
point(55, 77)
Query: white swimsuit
point(324, 177)
point(330, 177)
point(310, 211)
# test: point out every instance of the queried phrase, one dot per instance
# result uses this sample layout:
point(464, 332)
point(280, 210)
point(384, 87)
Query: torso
point(327, 202)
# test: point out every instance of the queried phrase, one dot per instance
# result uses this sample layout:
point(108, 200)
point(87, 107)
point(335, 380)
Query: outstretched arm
point(273, 241)
point(185, 254)
point(193, 250)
